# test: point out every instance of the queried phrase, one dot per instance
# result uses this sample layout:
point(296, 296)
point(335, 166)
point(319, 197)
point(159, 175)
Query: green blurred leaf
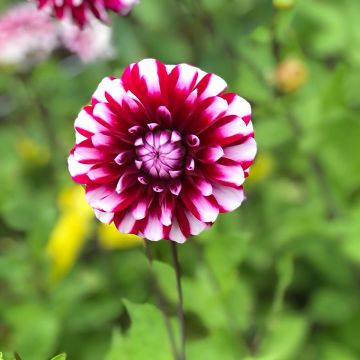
point(325, 301)
point(35, 330)
point(286, 335)
point(147, 335)
point(60, 357)
point(218, 345)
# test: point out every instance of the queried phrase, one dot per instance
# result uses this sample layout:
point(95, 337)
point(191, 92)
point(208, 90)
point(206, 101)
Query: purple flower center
point(160, 154)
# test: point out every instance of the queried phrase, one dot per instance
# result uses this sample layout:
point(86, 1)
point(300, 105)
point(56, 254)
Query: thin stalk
point(160, 299)
point(180, 297)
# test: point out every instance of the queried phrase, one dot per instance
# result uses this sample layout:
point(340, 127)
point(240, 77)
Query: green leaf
point(286, 335)
point(35, 330)
point(350, 245)
point(217, 345)
point(166, 278)
point(326, 300)
point(147, 335)
point(60, 357)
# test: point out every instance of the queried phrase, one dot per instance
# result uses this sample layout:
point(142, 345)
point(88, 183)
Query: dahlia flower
point(26, 36)
point(82, 10)
point(91, 43)
point(163, 150)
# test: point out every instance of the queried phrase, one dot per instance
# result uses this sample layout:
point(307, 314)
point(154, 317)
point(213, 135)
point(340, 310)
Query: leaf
point(285, 274)
point(35, 330)
point(146, 336)
point(60, 357)
point(217, 345)
point(350, 245)
point(325, 300)
point(166, 278)
point(286, 335)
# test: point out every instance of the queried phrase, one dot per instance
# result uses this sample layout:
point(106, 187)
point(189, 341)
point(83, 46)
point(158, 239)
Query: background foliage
point(276, 280)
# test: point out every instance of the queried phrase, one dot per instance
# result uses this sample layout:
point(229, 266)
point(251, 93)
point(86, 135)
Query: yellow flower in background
point(110, 238)
point(70, 231)
point(32, 152)
point(263, 165)
point(73, 199)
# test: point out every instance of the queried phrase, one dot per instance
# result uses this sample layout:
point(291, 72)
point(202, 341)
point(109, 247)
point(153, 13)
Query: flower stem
point(180, 296)
point(160, 299)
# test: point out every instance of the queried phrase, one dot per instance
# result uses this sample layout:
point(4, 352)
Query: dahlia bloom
point(82, 10)
point(26, 36)
point(90, 43)
point(163, 150)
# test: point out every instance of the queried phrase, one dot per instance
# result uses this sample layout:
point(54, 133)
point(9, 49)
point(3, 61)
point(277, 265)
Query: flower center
point(160, 154)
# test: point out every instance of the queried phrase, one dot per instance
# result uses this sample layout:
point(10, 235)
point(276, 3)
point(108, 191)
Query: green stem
point(180, 297)
point(160, 299)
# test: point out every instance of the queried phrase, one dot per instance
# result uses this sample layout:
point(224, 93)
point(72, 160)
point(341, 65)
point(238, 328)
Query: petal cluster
point(94, 42)
point(26, 36)
point(163, 150)
point(82, 10)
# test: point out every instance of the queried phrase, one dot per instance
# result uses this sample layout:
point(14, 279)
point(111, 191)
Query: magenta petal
point(104, 114)
point(196, 226)
point(102, 141)
point(176, 234)
point(139, 210)
point(228, 175)
point(211, 85)
point(153, 230)
point(86, 124)
point(210, 154)
point(86, 154)
point(228, 198)
point(164, 116)
point(226, 131)
point(105, 217)
point(167, 204)
point(77, 170)
point(123, 157)
point(125, 222)
point(244, 152)
point(238, 107)
point(203, 208)
point(203, 185)
point(103, 174)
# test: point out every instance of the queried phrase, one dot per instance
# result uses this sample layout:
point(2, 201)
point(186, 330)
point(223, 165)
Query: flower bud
point(291, 74)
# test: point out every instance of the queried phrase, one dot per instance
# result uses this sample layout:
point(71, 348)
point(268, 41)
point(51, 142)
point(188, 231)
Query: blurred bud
point(261, 168)
point(32, 152)
point(110, 238)
point(70, 231)
point(291, 74)
point(283, 4)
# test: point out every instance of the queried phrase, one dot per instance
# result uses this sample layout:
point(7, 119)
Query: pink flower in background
point(163, 150)
point(26, 36)
point(82, 10)
point(90, 43)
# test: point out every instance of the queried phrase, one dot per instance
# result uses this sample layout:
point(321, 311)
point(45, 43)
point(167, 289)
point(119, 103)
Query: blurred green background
point(278, 279)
